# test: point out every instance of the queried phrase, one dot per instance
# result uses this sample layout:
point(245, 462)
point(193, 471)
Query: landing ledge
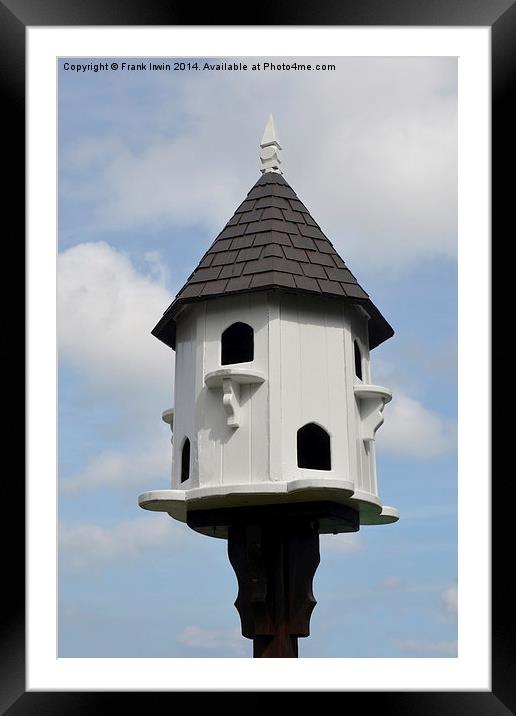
point(365, 392)
point(243, 376)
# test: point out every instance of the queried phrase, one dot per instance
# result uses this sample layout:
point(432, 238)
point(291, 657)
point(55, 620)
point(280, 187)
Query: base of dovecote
point(179, 502)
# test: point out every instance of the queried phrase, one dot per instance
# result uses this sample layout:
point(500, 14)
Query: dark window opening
point(185, 460)
point(358, 361)
point(237, 344)
point(313, 448)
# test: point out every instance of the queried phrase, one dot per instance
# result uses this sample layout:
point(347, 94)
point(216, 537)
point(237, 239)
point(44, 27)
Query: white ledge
point(177, 502)
point(243, 376)
point(168, 417)
point(364, 391)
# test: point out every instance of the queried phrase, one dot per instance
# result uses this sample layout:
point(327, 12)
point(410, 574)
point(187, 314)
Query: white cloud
point(171, 182)
point(371, 149)
point(106, 310)
point(117, 469)
point(422, 647)
point(208, 639)
point(449, 602)
point(412, 430)
point(345, 543)
point(86, 546)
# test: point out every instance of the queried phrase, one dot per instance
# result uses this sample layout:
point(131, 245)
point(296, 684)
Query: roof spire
point(270, 149)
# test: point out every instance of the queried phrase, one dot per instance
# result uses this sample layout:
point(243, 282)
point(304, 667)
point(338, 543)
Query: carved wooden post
point(275, 565)
point(274, 551)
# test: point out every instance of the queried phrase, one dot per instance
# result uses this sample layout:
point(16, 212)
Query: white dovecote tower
point(274, 400)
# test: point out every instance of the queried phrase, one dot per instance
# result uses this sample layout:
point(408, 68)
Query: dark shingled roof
point(272, 242)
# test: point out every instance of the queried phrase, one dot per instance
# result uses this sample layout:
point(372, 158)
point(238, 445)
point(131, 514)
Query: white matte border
point(471, 670)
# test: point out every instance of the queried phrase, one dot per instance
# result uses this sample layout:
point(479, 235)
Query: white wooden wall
point(313, 381)
point(317, 375)
point(188, 372)
point(225, 455)
point(304, 347)
point(364, 457)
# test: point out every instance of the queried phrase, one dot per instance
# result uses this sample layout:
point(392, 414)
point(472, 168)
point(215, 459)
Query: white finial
point(270, 149)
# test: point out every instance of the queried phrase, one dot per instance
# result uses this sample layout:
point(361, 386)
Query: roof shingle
point(272, 242)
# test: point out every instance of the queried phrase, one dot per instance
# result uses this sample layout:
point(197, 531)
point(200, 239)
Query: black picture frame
point(15, 17)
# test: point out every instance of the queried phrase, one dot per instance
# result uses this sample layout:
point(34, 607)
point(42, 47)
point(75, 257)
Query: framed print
point(131, 167)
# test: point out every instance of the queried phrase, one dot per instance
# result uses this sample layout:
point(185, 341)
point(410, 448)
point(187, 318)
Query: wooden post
point(274, 551)
point(275, 564)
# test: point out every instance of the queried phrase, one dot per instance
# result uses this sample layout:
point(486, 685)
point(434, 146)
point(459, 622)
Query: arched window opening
point(358, 361)
point(237, 344)
point(185, 460)
point(313, 448)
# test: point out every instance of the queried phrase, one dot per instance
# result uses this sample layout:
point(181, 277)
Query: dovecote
point(274, 400)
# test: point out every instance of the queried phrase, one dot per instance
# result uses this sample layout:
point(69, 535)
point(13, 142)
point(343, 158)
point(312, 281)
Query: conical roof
point(272, 243)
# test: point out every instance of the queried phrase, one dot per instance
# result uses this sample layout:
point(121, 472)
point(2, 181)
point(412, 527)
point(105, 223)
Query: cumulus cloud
point(371, 148)
point(423, 647)
point(345, 543)
point(90, 546)
point(449, 603)
point(196, 637)
point(106, 309)
point(412, 430)
point(113, 469)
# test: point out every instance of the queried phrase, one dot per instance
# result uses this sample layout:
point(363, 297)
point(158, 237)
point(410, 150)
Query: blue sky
point(151, 165)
